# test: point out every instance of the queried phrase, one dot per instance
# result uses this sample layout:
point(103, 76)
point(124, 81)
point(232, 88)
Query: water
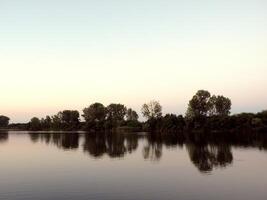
point(129, 166)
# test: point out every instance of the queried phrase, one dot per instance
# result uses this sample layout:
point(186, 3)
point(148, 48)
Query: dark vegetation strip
point(205, 112)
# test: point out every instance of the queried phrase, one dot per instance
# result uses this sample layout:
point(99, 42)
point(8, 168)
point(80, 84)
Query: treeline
point(205, 112)
point(96, 117)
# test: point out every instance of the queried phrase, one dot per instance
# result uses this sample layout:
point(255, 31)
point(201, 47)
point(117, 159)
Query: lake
point(124, 166)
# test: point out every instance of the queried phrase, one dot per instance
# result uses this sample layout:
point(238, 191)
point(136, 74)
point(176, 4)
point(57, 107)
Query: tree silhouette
point(4, 121)
point(152, 109)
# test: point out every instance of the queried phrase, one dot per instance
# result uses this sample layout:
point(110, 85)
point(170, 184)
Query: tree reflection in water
point(155, 143)
point(113, 145)
point(153, 148)
point(3, 136)
point(206, 151)
point(66, 141)
point(207, 157)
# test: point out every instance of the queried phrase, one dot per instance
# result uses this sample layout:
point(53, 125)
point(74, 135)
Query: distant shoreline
point(205, 113)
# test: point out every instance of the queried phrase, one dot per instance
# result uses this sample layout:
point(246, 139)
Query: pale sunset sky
point(67, 54)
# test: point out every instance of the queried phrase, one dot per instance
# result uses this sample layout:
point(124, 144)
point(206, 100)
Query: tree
point(209, 111)
point(35, 124)
point(94, 116)
point(116, 111)
point(152, 110)
point(263, 116)
point(203, 104)
point(67, 120)
point(4, 121)
point(46, 123)
point(56, 122)
point(220, 106)
point(199, 105)
point(115, 115)
point(172, 123)
point(95, 112)
point(70, 117)
point(131, 115)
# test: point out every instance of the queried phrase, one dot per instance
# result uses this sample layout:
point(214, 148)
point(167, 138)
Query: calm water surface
point(40, 166)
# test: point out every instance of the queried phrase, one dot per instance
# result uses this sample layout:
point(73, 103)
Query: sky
point(66, 54)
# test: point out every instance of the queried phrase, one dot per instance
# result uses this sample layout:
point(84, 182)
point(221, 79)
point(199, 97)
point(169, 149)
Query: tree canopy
point(35, 124)
point(131, 115)
point(199, 105)
point(115, 114)
point(4, 121)
point(69, 117)
point(203, 104)
point(220, 105)
point(153, 109)
point(95, 112)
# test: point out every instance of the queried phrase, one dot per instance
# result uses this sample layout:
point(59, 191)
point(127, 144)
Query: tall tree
point(220, 105)
point(95, 112)
point(115, 114)
point(46, 123)
point(70, 117)
point(131, 115)
point(4, 121)
point(56, 122)
point(199, 105)
point(153, 109)
point(94, 116)
point(35, 124)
